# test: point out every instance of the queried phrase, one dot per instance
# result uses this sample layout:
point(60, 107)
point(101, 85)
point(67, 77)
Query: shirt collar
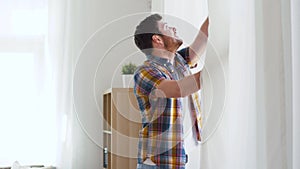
point(159, 59)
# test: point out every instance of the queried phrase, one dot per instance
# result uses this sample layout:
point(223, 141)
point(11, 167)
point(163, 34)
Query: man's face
point(171, 40)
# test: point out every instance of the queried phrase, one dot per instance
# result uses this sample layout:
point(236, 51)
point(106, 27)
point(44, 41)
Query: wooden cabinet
point(121, 124)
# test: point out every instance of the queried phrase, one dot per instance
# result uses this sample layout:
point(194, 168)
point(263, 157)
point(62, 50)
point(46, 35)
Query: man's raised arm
point(198, 46)
point(179, 88)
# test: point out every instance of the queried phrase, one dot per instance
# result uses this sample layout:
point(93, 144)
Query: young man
point(161, 84)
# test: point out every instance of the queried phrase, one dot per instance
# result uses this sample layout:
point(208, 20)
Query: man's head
point(152, 32)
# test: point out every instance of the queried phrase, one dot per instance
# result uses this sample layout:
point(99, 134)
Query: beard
point(172, 43)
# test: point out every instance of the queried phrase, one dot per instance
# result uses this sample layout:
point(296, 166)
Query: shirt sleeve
point(146, 79)
point(185, 54)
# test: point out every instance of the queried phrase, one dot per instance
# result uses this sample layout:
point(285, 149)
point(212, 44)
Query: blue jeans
point(145, 166)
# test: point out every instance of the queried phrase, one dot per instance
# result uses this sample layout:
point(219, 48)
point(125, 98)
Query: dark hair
point(144, 32)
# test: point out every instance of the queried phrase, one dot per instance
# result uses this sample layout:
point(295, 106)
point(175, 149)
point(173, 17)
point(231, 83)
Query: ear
point(157, 39)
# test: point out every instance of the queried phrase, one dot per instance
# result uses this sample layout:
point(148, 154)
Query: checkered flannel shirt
point(161, 137)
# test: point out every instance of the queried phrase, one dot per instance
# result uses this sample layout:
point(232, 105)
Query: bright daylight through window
point(27, 111)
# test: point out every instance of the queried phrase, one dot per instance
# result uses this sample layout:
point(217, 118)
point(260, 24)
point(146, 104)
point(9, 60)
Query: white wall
point(92, 28)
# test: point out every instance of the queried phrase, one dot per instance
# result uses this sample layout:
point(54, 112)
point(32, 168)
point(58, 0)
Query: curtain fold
point(274, 89)
point(240, 115)
point(295, 27)
point(62, 65)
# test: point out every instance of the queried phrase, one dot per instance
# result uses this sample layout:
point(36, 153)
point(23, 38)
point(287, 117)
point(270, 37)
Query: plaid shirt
point(161, 137)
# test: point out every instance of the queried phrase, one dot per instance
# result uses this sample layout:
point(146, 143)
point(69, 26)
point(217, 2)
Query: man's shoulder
point(144, 66)
point(150, 68)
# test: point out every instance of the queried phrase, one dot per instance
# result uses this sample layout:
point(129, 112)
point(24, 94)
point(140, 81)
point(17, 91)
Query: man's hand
point(204, 27)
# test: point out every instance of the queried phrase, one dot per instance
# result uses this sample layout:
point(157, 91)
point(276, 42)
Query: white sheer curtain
point(258, 44)
point(59, 43)
point(27, 112)
point(256, 131)
point(274, 84)
point(295, 24)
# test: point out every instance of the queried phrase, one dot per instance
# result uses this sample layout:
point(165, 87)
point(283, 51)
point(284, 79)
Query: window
point(27, 111)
